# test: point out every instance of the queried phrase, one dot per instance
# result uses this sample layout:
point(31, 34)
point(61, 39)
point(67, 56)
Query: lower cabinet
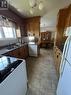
point(57, 59)
point(16, 53)
point(21, 52)
point(26, 51)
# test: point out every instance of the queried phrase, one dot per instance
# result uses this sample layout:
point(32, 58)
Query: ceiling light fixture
point(35, 4)
point(40, 5)
point(32, 3)
point(31, 10)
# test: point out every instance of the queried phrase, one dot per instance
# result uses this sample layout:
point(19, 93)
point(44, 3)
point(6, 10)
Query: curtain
point(4, 22)
point(7, 28)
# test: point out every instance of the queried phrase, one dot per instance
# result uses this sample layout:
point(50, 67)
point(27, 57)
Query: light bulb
point(31, 11)
point(32, 2)
point(40, 6)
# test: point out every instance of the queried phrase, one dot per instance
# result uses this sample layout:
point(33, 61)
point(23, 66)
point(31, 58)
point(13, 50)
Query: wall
point(49, 28)
point(49, 19)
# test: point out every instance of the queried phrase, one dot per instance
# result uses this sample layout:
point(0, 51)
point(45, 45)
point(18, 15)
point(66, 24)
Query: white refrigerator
point(64, 84)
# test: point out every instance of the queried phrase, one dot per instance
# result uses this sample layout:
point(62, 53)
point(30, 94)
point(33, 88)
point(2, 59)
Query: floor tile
point(42, 78)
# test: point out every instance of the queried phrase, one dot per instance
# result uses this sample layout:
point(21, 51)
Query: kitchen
point(32, 37)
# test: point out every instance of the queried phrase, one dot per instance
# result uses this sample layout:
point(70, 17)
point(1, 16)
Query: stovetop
point(7, 65)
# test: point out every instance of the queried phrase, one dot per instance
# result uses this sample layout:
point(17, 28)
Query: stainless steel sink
point(12, 47)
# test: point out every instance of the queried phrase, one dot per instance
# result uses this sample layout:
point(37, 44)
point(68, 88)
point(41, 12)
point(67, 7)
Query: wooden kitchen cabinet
point(10, 53)
point(26, 52)
point(16, 53)
point(68, 20)
point(33, 26)
point(57, 59)
point(21, 52)
point(62, 15)
point(64, 21)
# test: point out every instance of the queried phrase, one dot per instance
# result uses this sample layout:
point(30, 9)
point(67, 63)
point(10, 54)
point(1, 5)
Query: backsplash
point(4, 42)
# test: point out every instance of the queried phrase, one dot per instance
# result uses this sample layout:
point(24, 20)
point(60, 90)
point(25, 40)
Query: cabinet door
point(11, 53)
point(68, 20)
point(58, 62)
point(21, 50)
point(57, 57)
point(16, 53)
point(62, 15)
point(26, 51)
point(33, 26)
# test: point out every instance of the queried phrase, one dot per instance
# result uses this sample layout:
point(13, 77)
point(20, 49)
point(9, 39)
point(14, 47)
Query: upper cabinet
point(64, 18)
point(33, 26)
point(62, 15)
point(63, 21)
point(68, 19)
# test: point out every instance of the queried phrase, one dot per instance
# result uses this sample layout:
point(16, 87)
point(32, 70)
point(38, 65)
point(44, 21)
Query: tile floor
point(42, 79)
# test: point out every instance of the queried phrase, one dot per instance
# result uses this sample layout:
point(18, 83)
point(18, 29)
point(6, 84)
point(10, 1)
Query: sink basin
point(11, 47)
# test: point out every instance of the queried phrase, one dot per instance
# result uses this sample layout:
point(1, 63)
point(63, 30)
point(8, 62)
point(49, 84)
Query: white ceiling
point(49, 20)
point(48, 14)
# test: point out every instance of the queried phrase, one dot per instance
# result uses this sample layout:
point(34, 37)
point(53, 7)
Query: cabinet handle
point(59, 53)
point(57, 56)
point(12, 69)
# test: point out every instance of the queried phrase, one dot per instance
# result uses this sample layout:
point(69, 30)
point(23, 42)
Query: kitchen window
point(1, 32)
point(7, 32)
point(7, 29)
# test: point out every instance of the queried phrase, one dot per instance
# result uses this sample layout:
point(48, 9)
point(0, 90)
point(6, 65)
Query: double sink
point(10, 47)
point(17, 45)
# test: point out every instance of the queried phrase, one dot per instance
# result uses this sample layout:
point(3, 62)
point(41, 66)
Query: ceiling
point(23, 7)
point(48, 13)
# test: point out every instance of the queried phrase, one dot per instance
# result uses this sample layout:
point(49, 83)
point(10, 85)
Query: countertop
point(5, 50)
